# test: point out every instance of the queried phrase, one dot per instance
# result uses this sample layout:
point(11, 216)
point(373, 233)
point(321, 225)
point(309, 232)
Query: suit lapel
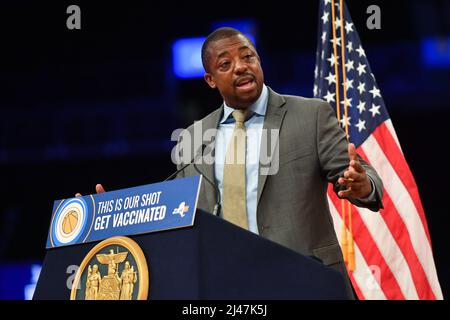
point(211, 122)
point(273, 120)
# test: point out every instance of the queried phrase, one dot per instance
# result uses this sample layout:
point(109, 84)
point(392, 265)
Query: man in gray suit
point(285, 194)
point(287, 203)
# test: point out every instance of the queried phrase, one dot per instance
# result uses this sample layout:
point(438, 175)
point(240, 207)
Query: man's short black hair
point(219, 34)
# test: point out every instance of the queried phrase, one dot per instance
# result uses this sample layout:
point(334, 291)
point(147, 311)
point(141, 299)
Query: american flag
point(393, 254)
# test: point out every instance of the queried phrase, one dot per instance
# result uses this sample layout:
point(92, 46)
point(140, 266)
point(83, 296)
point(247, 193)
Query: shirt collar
point(259, 107)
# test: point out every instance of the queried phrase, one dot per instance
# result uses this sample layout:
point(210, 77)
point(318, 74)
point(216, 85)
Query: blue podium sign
point(143, 209)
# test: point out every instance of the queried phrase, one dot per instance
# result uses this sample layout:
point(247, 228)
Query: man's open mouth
point(245, 82)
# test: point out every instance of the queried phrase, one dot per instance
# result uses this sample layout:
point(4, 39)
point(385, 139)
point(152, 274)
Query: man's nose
point(240, 67)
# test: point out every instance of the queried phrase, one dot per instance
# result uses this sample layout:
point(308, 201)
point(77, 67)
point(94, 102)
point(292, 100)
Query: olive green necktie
point(234, 182)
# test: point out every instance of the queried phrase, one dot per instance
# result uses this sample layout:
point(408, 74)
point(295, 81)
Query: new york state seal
point(115, 269)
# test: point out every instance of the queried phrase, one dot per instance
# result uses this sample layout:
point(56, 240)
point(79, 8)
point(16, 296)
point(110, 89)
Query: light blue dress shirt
point(254, 126)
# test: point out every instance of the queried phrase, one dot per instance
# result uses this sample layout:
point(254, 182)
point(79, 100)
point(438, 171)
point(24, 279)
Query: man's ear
point(210, 80)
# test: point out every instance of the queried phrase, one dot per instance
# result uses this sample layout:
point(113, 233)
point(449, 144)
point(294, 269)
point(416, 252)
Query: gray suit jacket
point(292, 207)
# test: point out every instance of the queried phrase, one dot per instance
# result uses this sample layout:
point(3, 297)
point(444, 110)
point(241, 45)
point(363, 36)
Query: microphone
point(216, 210)
point(179, 170)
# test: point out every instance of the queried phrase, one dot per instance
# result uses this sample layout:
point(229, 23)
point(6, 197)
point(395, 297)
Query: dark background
point(80, 107)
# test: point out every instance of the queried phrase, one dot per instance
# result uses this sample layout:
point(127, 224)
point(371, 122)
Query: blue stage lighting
point(187, 61)
point(436, 52)
point(186, 53)
point(18, 280)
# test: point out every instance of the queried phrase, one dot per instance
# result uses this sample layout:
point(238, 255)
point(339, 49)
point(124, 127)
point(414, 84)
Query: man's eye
point(224, 64)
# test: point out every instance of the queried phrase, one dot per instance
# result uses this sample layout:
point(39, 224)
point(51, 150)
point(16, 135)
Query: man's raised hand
point(355, 178)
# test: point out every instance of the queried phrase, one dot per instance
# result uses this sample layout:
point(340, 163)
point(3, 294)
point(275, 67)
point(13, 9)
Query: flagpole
point(338, 111)
point(350, 248)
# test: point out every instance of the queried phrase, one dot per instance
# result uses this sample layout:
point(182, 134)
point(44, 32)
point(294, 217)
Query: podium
point(214, 259)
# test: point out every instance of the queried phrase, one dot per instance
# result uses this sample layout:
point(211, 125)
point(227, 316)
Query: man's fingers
point(353, 175)
point(352, 184)
point(355, 164)
point(345, 193)
point(99, 188)
point(346, 182)
point(352, 152)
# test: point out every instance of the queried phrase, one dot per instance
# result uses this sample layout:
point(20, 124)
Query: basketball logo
point(69, 221)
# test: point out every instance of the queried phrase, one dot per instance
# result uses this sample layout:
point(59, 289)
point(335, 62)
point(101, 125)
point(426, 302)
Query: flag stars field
point(349, 47)
point(325, 17)
point(361, 52)
point(361, 68)
point(333, 60)
point(348, 83)
point(361, 106)
point(348, 27)
point(338, 23)
point(374, 110)
point(375, 92)
point(345, 121)
point(329, 97)
point(331, 78)
point(349, 102)
point(361, 88)
point(349, 65)
point(338, 41)
point(361, 125)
